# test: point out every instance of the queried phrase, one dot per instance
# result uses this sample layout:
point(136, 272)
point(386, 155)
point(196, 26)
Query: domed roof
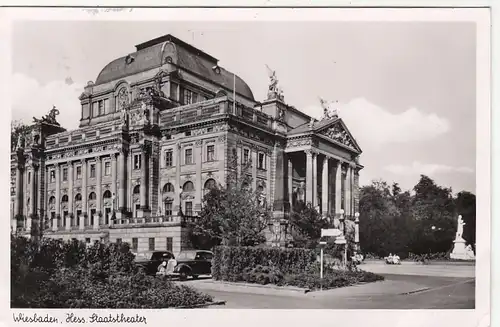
point(150, 55)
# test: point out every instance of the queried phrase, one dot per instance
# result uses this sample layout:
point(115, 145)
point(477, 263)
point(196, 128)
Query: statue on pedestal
point(329, 112)
point(124, 117)
point(460, 227)
point(274, 92)
point(50, 118)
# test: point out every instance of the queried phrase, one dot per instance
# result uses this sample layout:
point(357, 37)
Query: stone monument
point(460, 250)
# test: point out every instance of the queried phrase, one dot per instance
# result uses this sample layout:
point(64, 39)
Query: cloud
point(30, 98)
point(417, 168)
point(374, 126)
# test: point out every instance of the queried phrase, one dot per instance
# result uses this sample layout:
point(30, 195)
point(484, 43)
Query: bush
point(331, 279)
point(56, 274)
point(229, 262)
point(263, 275)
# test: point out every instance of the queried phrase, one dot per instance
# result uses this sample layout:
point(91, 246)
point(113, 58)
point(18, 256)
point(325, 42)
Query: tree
point(232, 215)
point(17, 129)
point(306, 225)
point(465, 204)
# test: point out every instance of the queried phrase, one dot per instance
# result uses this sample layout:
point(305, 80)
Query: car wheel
point(195, 276)
point(183, 275)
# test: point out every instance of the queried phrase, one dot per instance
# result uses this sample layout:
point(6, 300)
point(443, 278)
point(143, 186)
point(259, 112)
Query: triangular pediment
point(337, 131)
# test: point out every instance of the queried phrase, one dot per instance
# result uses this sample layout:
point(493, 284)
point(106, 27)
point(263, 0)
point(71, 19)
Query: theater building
point(157, 129)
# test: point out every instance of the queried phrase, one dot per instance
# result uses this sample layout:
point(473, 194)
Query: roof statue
point(274, 92)
point(50, 118)
point(329, 111)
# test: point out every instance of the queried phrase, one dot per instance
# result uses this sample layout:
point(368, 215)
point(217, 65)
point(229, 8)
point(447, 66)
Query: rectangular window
point(95, 109)
point(52, 176)
point(101, 107)
point(210, 152)
point(188, 159)
point(188, 97)
point(151, 244)
point(168, 209)
point(79, 172)
point(29, 177)
point(262, 161)
point(65, 174)
point(173, 91)
point(169, 158)
point(92, 170)
point(106, 106)
point(65, 214)
point(137, 161)
point(189, 208)
point(107, 168)
point(170, 243)
point(246, 155)
point(135, 243)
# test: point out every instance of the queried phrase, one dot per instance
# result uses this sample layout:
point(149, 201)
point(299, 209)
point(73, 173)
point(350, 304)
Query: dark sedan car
point(194, 263)
point(152, 259)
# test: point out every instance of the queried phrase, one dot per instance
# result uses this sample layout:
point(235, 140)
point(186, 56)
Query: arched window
point(188, 187)
point(137, 189)
point(260, 189)
point(122, 98)
point(78, 197)
point(52, 200)
point(168, 188)
point(107, 194)
point(64, 198)
point(210, 184)
point(92, 196)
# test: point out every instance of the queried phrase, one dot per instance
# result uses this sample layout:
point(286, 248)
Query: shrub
point(229, 262)
point(56, 274)
point(263, 275)
point(331, 279)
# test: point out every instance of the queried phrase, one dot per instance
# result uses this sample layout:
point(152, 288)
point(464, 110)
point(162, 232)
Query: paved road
point(402, 289)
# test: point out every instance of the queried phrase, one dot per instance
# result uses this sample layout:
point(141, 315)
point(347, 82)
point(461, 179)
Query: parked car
point(152, 259)
point(193, 263)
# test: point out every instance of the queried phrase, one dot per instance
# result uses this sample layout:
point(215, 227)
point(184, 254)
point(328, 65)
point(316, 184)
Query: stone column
point(255, 162)
point(347, 191)
point(239, 160)
point(290, 183)
point(338, 188)
point(81, 222)
point(68, 222)
point(55, 222)
point(178, 161)
point(33, 189)
point(198, 157)
point(113, 177)
point(144, 180)
point(19, 193)
point(84, 187)
point(70, 192)
point(268, 178)
point(98, 186)
point(324, 186)
point(309, 176)
point(315, 180)
point(122, 180)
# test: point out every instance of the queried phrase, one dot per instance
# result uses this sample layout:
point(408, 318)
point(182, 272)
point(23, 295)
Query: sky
point(406, 90)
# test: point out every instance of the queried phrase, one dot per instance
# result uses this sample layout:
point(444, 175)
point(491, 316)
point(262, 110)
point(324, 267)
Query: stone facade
point(157, 129)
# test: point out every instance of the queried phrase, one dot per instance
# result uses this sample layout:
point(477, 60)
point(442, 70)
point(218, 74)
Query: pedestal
point(460, 251)
point(96, 221)
point(81, 223)
point(68, 223)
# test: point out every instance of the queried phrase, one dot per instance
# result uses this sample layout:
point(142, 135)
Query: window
point(134, 243)
point(189, 208)
point(246, 155)
point(87, 240)
point(65, 174)
point(262, 161)
point(118, 241)
point(210, 129)
point(188, 159)
point(188, 187)
point(210, 184)
point(29, 177)
point(210, 152)
point(168, 209)
point(79, 172)
point(92, 196)
point(151, 244)
point(189, 97)
point(168, 188)
point(107, 168)
point(170, 242)
point(169, 158)
point(92, 170)
point(95, 109)
point(52, 176)
point(101, 107)
point(137, 161)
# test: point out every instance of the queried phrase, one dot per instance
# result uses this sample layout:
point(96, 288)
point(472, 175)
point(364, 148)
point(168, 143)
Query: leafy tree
point(232, 215)
point(17, 129)
point(306, 225)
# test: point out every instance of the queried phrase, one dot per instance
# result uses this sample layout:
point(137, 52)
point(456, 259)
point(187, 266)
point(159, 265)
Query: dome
point(152, 54)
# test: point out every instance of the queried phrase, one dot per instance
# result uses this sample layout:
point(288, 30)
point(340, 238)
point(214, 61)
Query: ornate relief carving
point(338, 134)
point(297, 143)
point(199, 143)
point(221, 139)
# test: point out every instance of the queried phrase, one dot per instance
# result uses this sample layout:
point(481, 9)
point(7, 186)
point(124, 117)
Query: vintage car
point(193, 263)
point(152, 259)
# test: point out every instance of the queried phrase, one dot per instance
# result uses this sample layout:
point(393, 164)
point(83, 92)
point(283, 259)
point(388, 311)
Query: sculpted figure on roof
point(329, 111)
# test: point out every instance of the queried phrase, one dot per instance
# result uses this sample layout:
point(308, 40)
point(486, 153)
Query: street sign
point(322, 243)
point(340, 240)
point(330, 232)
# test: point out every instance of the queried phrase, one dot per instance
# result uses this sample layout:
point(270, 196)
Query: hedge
point(229, 262)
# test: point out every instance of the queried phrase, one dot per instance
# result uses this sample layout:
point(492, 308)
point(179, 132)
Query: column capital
point(311, 152)
point(98, 159)
point(198, 143)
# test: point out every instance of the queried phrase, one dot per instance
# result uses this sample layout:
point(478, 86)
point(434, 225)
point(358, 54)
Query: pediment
point(337, 131)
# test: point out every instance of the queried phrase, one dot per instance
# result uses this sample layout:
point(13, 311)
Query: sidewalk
point(437, 270)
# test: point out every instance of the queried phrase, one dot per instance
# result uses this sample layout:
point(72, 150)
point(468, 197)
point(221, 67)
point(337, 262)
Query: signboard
point(340, 240)
point(331, 232)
